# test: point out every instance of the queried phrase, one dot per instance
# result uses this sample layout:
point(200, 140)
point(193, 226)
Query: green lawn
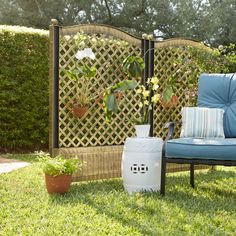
point(103, 208)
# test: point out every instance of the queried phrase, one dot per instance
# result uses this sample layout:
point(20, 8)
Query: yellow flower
point(139, 91)
point(145, 93)
point(154, 80)
point(140, 105)
point(146, 102)
point(94, 40)
point(155, 98)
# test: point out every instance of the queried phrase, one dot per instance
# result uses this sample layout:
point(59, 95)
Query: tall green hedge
point(23, 87)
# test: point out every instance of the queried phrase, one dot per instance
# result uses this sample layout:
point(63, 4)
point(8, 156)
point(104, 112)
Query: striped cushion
point(201, 122)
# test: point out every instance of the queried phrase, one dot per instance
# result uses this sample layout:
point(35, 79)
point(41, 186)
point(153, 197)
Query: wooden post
point(53, 86)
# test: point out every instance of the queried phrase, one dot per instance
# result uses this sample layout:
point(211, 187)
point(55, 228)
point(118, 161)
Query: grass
point(103, 208)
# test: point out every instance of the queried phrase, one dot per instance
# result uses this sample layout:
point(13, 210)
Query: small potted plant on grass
point(58, 172)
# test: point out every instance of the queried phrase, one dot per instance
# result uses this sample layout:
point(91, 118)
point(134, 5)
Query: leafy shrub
point(23, 87)
point(59, 165)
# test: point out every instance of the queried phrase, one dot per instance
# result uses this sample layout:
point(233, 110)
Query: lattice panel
point(174, 61)
point(92, 129)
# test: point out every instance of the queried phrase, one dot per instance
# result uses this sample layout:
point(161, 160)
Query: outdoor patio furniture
point(141, 164)
point(215, 91)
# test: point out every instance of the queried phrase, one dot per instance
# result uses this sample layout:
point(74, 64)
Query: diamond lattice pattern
point(92, 129)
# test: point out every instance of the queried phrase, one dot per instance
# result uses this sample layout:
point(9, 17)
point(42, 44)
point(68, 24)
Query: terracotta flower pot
point(58, 184)
point(172, 103)
point(79, 111)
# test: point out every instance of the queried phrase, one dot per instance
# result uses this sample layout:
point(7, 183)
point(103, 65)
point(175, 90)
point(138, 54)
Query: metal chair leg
point(192, 175)
point(163, 176)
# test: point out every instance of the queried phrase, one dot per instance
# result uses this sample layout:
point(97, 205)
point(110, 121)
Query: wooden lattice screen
point(92, 139)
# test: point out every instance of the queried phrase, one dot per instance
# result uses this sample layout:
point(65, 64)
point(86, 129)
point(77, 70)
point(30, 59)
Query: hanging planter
point(81, 74)
point(173, 102)
point(79, 111)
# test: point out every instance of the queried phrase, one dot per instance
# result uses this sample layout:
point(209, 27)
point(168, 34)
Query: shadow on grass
point(108, 197)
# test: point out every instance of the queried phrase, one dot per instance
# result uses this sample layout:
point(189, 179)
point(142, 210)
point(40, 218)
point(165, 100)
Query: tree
point(211, 21)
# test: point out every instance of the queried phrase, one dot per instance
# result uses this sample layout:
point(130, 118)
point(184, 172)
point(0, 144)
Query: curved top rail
point(180, 42)
point(101, 29)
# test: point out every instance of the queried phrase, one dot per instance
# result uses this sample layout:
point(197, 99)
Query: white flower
point(87, 52)
point(140, 105)
point(155, 87)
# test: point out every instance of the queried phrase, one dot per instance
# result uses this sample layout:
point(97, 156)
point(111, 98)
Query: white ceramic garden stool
point(141, 164)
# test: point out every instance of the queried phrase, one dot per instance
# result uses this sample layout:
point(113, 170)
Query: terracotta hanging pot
point(79, 111)
point(172, 103)
point(58, 184)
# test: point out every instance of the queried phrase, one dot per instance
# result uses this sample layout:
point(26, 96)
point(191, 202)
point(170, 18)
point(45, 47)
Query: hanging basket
point(79, 111)
point(172, 103)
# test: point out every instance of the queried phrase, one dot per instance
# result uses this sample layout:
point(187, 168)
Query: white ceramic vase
point(142, 131)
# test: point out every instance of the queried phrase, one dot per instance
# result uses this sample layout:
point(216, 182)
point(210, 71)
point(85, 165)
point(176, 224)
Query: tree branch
point(108, 9)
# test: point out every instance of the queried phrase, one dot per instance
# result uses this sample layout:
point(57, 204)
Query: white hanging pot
point(142, 130)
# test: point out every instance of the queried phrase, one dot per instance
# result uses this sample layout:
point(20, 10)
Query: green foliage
point(104, 208)
point(109, 98)
point(212, 21)
point(59, 165)
point(133, 66)
point(23, 87)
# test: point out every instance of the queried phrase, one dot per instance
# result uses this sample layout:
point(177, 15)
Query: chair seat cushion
point(215, 149)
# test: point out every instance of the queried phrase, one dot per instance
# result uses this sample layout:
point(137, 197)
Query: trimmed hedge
point(23, 87)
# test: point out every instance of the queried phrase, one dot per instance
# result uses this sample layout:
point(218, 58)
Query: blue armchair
point(215, 91)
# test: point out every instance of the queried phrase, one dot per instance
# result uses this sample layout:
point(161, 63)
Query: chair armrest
point(171, 127)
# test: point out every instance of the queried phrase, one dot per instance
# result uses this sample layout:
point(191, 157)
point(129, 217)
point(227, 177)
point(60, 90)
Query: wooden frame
point(90, 139)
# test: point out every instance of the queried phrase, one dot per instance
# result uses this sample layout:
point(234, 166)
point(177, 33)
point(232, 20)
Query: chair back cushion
point(202, 122)
point(219, 91)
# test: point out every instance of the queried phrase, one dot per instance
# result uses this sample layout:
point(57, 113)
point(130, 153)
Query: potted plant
point(81, 74)
point(58, 172)
point(148, 97)
point(168, 98)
